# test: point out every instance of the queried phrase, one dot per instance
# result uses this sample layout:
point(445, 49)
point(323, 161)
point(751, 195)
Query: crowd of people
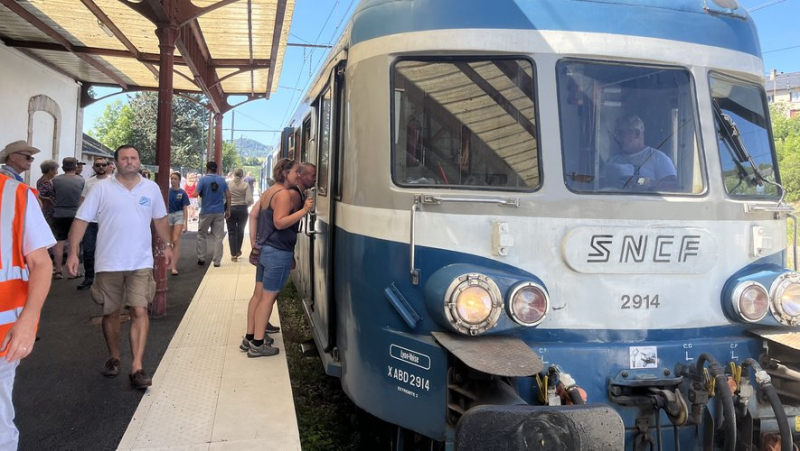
point(84, 216)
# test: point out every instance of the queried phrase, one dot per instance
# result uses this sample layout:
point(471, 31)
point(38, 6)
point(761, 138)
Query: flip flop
point(174, 272)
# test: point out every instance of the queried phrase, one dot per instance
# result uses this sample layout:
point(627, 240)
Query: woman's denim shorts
point(273, 269)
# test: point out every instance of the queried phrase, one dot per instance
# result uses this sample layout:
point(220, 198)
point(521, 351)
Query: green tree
point(113, 127)
point(786, 131)
point(230, 157)
point(135, 123)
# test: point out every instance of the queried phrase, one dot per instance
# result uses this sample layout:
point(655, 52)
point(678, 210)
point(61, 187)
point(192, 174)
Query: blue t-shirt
point(177, 200)
point(213, 201)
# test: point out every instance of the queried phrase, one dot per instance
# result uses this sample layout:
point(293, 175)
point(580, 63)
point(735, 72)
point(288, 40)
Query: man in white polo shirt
point(123, 206)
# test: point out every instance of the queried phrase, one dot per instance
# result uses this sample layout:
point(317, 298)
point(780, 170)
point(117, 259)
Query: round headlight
point(473, 304)
point(528, 304)
point(785, 293)
point(750, 301)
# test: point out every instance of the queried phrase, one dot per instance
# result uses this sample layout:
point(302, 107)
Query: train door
point(305, 243)
point(320, 306)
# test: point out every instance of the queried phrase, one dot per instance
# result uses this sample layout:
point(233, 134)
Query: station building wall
point(40, 106)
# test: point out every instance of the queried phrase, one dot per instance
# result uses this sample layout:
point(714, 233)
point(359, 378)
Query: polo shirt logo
point(145, 201)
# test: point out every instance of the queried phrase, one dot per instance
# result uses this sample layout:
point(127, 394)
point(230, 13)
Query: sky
point(321, 22)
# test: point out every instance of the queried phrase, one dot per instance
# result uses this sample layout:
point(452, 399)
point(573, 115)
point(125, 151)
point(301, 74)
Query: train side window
point(744, 106)
point(324, 142)
point(629, 129)
point(467, 123)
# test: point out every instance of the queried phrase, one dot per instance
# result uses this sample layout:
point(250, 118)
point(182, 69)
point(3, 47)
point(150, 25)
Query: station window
point(795, 96)
point(465, 123)
point(628, 129)
point(743, 112)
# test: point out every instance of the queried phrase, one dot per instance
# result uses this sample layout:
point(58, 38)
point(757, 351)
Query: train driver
point(636, 166)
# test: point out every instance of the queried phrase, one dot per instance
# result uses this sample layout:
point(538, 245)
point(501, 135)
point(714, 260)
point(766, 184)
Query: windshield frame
point(451, 59)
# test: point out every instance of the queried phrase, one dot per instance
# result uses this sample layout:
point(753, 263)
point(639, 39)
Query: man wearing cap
point(215, 208)
point(79, 169)
point(68, 188)
point(17, 158)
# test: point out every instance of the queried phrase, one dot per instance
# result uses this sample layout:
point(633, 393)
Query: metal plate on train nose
point(502, 356)
point(788, 339)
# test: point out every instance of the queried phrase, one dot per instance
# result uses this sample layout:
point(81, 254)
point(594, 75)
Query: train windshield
point(628, 129)
point(748, 163)
point(465, 123)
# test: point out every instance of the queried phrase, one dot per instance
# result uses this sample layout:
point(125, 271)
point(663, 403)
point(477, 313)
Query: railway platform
point(206, 393)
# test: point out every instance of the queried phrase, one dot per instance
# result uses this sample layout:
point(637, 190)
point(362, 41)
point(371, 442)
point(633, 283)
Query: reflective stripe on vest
point(13, 270)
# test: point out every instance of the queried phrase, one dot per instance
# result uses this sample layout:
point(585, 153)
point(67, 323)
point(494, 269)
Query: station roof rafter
point(224, 48)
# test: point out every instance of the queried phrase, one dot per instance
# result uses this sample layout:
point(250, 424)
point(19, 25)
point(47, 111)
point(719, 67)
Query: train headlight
point(785, 293)
point(528, 304)
point(473, 304)
point(750, 301)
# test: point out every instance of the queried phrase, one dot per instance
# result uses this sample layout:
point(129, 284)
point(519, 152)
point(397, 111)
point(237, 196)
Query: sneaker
point(86, 284)
point(140, 380)
point(247, 344)
point(58, 275)
point(111, 368)
point(272, 329)
point(201, 262)
point(216, 264)
point(264, 350)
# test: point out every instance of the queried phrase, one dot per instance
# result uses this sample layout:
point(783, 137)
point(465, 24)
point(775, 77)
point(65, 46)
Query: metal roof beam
point(27, 16)
point(105, 20)
point(205, 76)
point(280, 15)
point(143, 57)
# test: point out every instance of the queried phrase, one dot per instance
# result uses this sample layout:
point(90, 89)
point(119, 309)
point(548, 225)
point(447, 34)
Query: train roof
point(695, 21)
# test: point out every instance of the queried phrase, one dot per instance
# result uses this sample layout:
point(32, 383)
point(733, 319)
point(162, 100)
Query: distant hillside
point(251, 148)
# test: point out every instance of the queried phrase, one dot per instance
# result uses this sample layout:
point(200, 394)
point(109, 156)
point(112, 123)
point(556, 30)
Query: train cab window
point(465, 123)
point(628, 129)
point(740, 108)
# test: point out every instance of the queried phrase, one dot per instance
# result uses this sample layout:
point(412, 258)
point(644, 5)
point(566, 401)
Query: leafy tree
point(786, 131)
point(135, 123)
point(230, 157)
point(113, 127)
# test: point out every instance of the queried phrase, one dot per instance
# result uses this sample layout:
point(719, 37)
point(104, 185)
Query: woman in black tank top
point(273, 230)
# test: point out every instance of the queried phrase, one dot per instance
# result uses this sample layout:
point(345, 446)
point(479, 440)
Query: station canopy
point(223, 47)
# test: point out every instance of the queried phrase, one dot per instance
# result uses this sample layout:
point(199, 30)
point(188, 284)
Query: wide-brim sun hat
point(16, 147)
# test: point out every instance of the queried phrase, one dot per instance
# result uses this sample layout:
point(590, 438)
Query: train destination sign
point(625, 250)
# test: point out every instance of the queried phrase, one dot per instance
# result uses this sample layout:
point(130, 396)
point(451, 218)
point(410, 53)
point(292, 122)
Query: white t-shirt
point(90, 183)
point(124, 241)
point(37, 233)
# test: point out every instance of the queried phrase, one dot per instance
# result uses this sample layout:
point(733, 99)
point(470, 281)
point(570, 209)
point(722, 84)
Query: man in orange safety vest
point(25, 272)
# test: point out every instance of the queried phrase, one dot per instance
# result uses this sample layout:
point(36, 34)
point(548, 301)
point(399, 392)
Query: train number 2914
point(639, 302)
point(409, 378)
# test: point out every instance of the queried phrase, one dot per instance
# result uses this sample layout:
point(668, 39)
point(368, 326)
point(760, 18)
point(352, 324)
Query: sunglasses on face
point(100, 165)
point(27, 157)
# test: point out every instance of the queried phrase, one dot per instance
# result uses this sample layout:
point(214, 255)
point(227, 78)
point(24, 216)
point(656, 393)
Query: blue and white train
point(485, 270)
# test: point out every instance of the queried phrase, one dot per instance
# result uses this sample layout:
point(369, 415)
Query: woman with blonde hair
point(241, 198)
point(273, 233)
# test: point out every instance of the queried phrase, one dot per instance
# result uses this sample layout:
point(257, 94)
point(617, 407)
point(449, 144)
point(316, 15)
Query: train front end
point(582, 241)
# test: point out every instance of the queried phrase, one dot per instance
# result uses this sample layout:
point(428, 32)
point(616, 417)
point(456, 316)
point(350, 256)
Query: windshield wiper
point(729, 132)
